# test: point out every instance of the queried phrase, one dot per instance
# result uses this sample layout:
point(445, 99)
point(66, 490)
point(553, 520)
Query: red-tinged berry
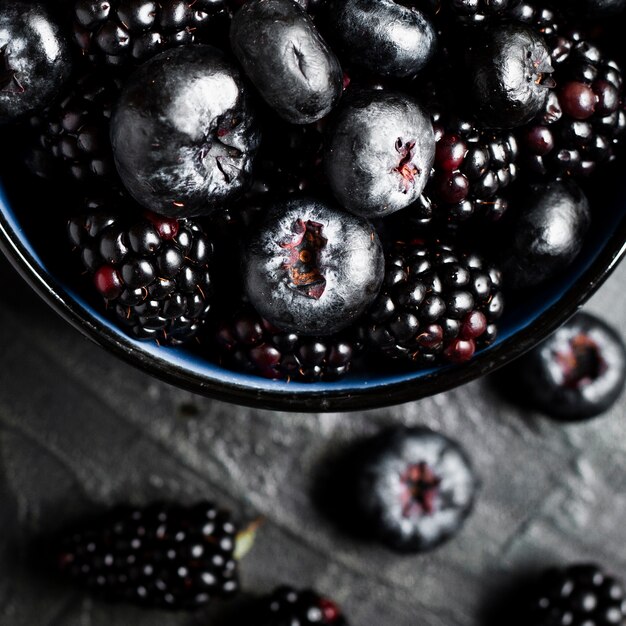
point(460, 350)
point(578, 100)
point(108, 282)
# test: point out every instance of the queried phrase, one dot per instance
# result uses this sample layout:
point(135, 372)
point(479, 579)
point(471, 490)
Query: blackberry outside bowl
point(32, 236)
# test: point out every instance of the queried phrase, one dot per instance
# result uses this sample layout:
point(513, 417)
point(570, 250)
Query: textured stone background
point(80, 430)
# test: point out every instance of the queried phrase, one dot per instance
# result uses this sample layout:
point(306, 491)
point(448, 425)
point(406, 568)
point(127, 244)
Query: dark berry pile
point(74, 134)
point(435, 301)
point(153, 272)
point(163, 555)
point(584, 121)
point(123, 32)
point(473, 167)
point(305, 139)
point(247, 342)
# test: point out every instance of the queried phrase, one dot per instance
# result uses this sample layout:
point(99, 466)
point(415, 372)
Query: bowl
point(30, 230)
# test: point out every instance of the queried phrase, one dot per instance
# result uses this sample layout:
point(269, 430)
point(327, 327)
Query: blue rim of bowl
point(190, 372)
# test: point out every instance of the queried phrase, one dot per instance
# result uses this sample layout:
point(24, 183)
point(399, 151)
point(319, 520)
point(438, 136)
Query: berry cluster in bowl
point(301, 190)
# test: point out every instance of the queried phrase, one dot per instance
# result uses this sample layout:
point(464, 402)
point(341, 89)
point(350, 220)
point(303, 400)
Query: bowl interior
point(32, 235)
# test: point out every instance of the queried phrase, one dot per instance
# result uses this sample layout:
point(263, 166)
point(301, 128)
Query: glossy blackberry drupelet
point(576, 374)
point(286, 606)
point(247, 342)
point(579, 594)
point(583, 121)
point(472, 169)
point(127, 32)
point(437, 304)
point(73, 135)
point(414, 488)
point(153, 272)
point(159, 556)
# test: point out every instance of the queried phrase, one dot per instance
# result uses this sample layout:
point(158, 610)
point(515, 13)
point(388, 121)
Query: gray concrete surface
point(80, 430)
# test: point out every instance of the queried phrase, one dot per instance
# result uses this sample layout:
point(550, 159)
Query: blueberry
point(383, 36)
point(311, 268)
point(577, 373)
point(35, 59)
point(380, 148)
point(508, 75)
point(548, 232)
point(415, 488)
point(184, 132)
point(286, 58)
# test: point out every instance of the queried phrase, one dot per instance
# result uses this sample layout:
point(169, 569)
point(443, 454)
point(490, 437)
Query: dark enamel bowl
point(29, 237)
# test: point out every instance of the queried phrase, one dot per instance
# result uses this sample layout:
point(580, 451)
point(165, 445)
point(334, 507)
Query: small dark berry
point(577, 373)
point(414, 488)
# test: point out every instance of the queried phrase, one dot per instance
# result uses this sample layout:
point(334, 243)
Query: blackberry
point(126, 32)
point(286, 606)
point(584, 119)
point(579, 594)
point(472, 168)
point(162, 555)
point(153, 272)
point(436, 304)
point(247, 342)
point(73, 135)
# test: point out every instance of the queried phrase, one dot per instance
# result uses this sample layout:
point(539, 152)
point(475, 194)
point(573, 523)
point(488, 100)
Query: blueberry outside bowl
point(34, 241)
